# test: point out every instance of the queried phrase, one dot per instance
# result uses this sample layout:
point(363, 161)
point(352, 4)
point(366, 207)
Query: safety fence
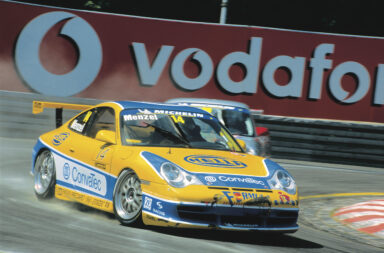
point(292, 138)
point(319, 140)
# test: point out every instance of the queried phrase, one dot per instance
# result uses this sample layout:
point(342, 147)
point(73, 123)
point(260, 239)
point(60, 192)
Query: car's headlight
point(281, 180)
point(176, 176)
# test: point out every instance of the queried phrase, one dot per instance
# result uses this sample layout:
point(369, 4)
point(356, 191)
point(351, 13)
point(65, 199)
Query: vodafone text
point(149, 74)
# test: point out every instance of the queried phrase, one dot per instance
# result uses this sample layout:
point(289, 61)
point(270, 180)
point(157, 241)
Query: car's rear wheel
point(45, 175)
point(127, 198)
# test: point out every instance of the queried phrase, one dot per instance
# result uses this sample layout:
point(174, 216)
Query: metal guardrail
point(292, 138)
point(318, 140)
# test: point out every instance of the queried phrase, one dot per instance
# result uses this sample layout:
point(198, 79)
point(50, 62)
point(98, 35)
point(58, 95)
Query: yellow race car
point(162, 165)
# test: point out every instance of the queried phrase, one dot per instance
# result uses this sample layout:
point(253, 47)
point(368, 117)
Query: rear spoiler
point(38, 107)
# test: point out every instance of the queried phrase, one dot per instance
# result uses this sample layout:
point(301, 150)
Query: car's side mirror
point(262, 131)
point(242, 144)
point(106, 136)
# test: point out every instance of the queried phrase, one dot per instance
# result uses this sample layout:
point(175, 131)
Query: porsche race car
point(162, 165)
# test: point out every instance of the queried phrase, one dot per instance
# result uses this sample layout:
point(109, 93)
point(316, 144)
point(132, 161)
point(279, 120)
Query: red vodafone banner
point(61, 52)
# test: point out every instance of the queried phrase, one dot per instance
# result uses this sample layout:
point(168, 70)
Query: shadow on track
point(245, 237)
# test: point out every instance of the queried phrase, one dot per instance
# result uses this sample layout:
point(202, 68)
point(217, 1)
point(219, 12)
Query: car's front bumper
point(161, 212)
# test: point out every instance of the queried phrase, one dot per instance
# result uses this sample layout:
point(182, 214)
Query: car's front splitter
point(161, 212)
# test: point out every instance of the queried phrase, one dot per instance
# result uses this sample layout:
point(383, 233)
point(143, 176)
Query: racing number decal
point(102, 153)
point(178, 119)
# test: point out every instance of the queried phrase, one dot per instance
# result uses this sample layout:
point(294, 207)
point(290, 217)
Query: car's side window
point(80, 123)
point(104, 119)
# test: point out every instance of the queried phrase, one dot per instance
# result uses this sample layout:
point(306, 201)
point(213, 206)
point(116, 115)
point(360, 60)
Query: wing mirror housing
point(106, 136)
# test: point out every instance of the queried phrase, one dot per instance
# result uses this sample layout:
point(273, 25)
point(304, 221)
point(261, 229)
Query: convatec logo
point(31, 69)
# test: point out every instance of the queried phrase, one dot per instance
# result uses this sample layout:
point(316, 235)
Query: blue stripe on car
point(212, 179)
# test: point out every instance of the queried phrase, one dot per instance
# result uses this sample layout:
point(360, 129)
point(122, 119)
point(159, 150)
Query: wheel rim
point(128, 197)
point(44, 172)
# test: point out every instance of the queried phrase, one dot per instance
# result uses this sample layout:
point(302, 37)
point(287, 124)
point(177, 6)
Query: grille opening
point(262, 218)
point(218, 188)
point(264, 191)
point(242, 189)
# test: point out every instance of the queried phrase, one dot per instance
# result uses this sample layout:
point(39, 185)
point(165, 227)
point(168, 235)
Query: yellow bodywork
point(106, 156)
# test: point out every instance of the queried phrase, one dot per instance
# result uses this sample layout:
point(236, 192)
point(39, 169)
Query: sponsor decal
point(158, 212)
point(147, 203)
point(102, 153)
point(284, 199)
point(210, 179)
point(238, 197)
point(215, 161)
point(66, 171)
point(59, 138)
point(128, 117)
point(86, 179)
point(79, 176)
point(178, 113)
point(145, 111)
point(77, 126)
point(153, 208)
point(246, 198)
point(28, 62)
point(247, 180)
point(62, 192)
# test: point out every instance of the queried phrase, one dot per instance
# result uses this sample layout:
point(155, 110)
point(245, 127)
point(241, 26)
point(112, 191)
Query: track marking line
point(342, 195)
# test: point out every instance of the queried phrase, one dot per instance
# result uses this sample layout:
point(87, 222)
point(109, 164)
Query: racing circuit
point(341, 206)
point(30, 225)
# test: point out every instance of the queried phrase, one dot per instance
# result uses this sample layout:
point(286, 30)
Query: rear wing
point(38, 107)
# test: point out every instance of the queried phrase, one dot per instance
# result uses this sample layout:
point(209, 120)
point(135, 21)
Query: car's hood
point(213, 168)
point(211, 161)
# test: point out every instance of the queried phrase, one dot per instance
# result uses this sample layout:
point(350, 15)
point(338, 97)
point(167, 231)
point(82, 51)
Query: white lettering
point(318, 64)
point(185, 114)
point(241, 180)
point(249, 61)
point(363, 81)
point(129, 117)
point(296, 67)
point(177, 69)
point(150, 75)
point(379, 90)
point(77, 126)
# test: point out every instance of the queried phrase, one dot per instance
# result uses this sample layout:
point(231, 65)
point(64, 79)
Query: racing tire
point(45, 175)
point(127, 199)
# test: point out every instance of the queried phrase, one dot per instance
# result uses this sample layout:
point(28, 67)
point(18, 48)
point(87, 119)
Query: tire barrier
point(355, 143)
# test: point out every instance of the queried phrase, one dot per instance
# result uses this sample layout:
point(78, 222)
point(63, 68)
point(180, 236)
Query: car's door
point(89, 161)
point(103, 148)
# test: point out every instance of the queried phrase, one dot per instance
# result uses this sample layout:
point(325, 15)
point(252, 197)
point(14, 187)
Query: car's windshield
point(143, 127)
point(239, 122)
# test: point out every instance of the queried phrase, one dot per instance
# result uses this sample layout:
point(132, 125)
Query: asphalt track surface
point(30, 225)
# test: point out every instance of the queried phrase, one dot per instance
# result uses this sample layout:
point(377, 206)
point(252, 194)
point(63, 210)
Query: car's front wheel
point(45, 175)
point(127, 198)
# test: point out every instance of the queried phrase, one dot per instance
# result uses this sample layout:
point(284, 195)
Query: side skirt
point(67, 194)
